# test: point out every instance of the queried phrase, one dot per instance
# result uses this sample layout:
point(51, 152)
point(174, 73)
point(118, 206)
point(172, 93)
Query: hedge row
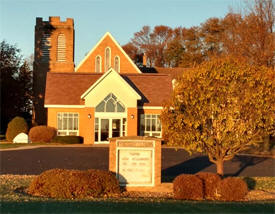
point(68, 139)
point(209, 186)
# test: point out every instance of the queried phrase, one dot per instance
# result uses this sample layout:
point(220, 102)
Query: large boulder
point(21, 138)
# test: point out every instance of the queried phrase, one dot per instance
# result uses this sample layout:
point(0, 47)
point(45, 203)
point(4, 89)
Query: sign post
point(136, 161)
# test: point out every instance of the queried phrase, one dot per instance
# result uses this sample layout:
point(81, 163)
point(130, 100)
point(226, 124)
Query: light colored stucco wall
point(112, 83)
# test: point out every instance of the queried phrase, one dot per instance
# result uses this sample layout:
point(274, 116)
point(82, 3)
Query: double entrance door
point(109, 127)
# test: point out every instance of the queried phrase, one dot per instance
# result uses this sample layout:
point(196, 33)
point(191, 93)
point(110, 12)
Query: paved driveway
point(35, 161)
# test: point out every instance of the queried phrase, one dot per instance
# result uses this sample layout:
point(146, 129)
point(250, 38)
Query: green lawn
point(15, 200)
point(171, 206)
point(17, 145)
point(12, 145)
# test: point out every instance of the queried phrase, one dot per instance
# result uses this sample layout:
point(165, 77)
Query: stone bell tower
point(53, 52)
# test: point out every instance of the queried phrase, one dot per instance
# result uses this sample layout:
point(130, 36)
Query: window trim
point(67, 130)
point(105, 60)
point(149, 132)
point(100, 63)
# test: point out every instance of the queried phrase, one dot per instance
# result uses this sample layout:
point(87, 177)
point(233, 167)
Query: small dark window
point(98, 64)
point(107, 59)
point(117, 64)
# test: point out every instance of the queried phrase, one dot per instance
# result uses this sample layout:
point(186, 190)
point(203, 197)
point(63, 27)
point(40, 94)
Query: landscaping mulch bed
point(12, 188)
point(253, 195)
point(260, 195)
point(142, 194)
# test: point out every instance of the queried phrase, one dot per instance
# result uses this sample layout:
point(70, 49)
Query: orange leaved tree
point(221, 108)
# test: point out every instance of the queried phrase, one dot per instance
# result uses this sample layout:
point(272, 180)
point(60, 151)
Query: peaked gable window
point(45, 49)
point(61, 48)
point(117, 64)
point(110, 104)
point(107, 58)
point(98, 64)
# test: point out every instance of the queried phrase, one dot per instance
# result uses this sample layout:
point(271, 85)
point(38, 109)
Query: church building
point(105, 96)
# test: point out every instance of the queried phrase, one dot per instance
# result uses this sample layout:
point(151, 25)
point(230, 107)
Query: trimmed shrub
point(231, 189)
point(16, 126)
point(68, 139)
point(72, 184)
point(108, 181)
point(210, 182)
point(42, 134)
point(188, 187)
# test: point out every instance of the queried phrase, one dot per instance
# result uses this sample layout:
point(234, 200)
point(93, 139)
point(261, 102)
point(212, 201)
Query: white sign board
point(21, 138)
point(135, 167)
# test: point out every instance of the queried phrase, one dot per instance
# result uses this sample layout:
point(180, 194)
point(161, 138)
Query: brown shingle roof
point(175, 73)
point(153, 88)
point(67, 88)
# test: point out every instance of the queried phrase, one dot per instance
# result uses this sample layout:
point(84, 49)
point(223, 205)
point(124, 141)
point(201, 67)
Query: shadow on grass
point(244, 162)
point(22, 191)
point(191, 166)
point(251, 182)
point(171, 206)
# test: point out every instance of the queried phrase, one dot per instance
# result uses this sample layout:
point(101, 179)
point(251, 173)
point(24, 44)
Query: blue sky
point(92, 18)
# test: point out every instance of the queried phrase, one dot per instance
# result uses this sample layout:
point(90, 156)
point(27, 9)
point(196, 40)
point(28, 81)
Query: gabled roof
point(67, 88)
point(104, 76)
point(116, 43)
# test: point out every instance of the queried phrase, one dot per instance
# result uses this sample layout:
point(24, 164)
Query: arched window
point(117, 64)
point(110, 104)
point(45, 49)
point(61, 48)
point(107, 58)
point(98, 64)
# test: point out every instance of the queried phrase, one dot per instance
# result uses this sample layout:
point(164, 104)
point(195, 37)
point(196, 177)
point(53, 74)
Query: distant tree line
point(16, 84)
point(249, 35)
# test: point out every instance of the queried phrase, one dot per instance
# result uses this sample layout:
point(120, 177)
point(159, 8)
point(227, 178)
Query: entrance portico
point(111, 96)
point(108, 127)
